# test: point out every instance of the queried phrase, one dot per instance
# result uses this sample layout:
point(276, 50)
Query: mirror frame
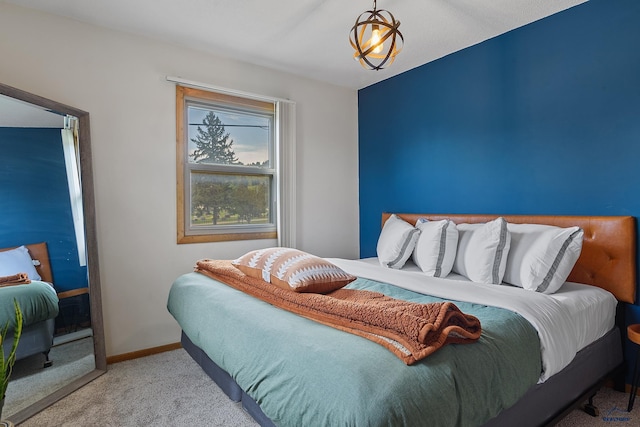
point(88, 204)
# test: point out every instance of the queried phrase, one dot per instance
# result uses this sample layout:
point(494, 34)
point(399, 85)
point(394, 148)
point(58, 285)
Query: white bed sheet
point(566, 321)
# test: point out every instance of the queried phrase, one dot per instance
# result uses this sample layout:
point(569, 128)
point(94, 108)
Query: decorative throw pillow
point(396, 242)
point(436, 247)
point(542, 256)
point(16, 261)
point(293, 270)
point(482, 251)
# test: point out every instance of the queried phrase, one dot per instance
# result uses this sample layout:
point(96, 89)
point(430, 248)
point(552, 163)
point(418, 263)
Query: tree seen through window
point(225, 198)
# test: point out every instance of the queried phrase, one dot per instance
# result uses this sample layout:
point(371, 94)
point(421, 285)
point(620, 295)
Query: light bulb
point(375, 40)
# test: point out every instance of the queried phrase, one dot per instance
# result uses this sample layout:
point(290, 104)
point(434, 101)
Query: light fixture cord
point(374, 5)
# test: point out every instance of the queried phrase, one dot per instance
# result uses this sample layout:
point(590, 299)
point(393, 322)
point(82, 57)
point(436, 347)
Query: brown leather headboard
point(39, 252)
point(608, 257)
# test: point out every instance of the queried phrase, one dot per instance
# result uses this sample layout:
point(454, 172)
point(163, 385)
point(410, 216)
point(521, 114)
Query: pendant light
point(376, 39)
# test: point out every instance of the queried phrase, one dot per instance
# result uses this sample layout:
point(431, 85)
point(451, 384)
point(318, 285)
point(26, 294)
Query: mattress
point(38, 301)
point(542, 404)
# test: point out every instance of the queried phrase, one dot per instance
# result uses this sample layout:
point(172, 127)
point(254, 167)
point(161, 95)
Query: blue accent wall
point(34, 196)
point(544, 119)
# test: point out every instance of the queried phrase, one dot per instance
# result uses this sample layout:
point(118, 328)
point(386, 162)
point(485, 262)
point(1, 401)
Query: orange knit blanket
point(15, 279)
point(410, 330)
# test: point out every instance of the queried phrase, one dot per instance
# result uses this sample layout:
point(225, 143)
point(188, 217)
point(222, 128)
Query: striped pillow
point(436, 247)
point(482, 251)
point(542, 256)
point(396, 242)
point(293, 270)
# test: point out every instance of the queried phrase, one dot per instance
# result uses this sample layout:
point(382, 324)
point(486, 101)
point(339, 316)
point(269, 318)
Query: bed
point(37, 299)
point(289, 370)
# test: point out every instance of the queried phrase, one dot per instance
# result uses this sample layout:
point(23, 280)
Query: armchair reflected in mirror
point(46, 181)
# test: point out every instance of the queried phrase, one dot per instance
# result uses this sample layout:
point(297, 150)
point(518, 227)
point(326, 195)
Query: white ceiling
point(18, 114)
point(308, 37)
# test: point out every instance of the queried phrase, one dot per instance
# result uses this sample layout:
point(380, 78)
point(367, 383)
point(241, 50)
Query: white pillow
point(542, 256)
point(482, 251)
point(436, 247)
point(396, 242)
point(16, 261)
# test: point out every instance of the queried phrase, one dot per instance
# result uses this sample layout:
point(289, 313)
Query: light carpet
point(167, 389)
point(170, 389)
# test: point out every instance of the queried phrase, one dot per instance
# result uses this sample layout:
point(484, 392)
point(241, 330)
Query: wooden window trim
point(182, 94)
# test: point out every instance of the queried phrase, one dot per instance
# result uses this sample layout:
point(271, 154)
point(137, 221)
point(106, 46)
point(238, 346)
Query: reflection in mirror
point(45, 177)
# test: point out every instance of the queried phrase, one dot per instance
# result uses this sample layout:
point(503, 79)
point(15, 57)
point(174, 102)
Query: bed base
point(547, 403)
point(35, 338)
point(225, 382)
point(542, 404)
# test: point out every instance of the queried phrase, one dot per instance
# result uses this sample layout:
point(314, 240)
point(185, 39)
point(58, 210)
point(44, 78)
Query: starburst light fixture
point(376, 38)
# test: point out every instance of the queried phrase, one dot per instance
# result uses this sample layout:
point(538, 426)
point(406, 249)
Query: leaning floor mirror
point(48, 213)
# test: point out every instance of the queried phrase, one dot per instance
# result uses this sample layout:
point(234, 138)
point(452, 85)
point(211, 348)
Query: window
point(70, 148)
point(228, 170)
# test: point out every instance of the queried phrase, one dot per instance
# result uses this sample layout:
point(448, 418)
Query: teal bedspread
point(38, 301)
point(303, 373)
